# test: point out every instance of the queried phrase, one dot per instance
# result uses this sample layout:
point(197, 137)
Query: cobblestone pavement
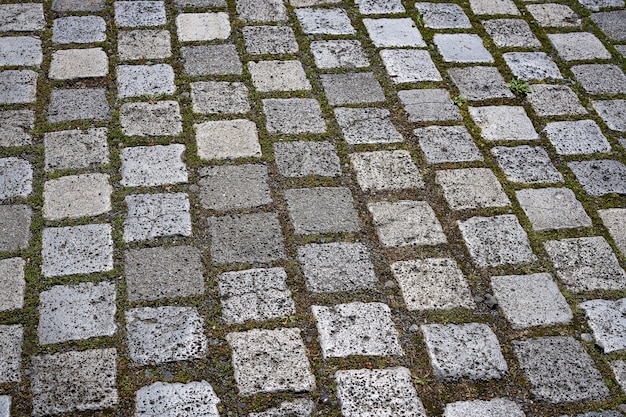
point(358, 208)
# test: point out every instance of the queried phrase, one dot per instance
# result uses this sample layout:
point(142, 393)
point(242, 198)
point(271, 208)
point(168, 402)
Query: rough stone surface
point(366, 125)
point(325, 22)
point(386, 170)
point(471, 188)
point(76, 196)
point(270, 76)
point(480, 83)
point(552, 208)
point(498, 407)
point(441, 144)
point(526, 164)
point(228, 187)
point(15, 127)
point(139, 13)
point(429, 105)
point(76, 149)
point(619, 369)
point(5, 406)
point(600, 177)
point(380, 6)
point(615, 221)
point(14, 227)
point(511, 33)
point(144, 80)
point(532, 66)
point(339, 54)
point(322, 210)
point(613, 112)
point(227, 139)
point(144, 166)
point(301, 159)
point(273, 40)
point(352, 88)
point(156, 215)
point(394, 33)
point(261, 10)
point(462, 47)
point(20, 51)
point(21, 17)
point(13, 283)
point(293, 116)
point(607, 321)
point(600, 78)
point(77, 5)
point(503, 123)
point(151, 119)
point(215, 97)
point(18, 86)
point(409, 65)
point(443, 16)
point(78, 29)
point(194, 27)
point(481, 7)
point(612, 23)
point(16, 178)
point(554, 100)
point(554, 15)
point(78, 104)
point(176, 399)
point(579, 46)
point(11, 338)
point(211, 60)
point(297, 408)
point(144, 44)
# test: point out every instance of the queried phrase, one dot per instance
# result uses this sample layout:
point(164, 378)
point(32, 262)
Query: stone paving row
point(296, 208)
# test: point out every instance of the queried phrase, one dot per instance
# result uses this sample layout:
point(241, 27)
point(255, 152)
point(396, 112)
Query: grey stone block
point(441, 144)
point(211, 60)
point(612, 23)
point(386, 170)
point(74, 381)
point(193, 27)
point(526, 164)
point(165, 334)
point(619, 369)
point(615, 221)
point(227, 139)
point(21, 17)
point(16, 178)
point(77, 5)
point(613, 112)
point(606, 319)
point(307, 3)
point(429, 105)
point(503, 123)
point(339, 54)
point(78, 29)
point(139, 13)
point(13, 284)
point(140, 80)
point(352, 88)
point(20, 51)
point(76, 149)
point(406, 223)
point(270, 76)
point(215, 97)
point(76, 312)
point(270, 361)
point(532, 65)
point(586, 264)
point(511, 33)
point(5, 405)
point(443, 16)
point(300, 407)
point(325, 22)
point(75, 196)
point(261, 10)
point(163, 272)
point(600, 78)
point(11, 338)
point(409, 65)
point(471, 188)
point(579, 46)
point(293, 116)
point(366, 125)
point(156, 215)
point(69, 64)
point(78, 104)
point(255, 294)
point(552, 208)
point(170, 399)
point(337, 266)
point(322, 210)
point(498, 407)
point(144, 166)
point(480, 7)
point(229, 187)
point(14, 227)
point(554, 100)
point(600, 177)
point(480, 83)
point(200, 3)
point(246, 238)
point(461, 47)
point(18, 86)
point(380, 6)
point(301, 159)
point(143, 44)
point(151, 119)
point(554, 15)
point(15, 127)
point(273, 40)
point(400, 32)
point(559, 370)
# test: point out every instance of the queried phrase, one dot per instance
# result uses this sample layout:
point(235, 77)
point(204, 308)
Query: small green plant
point(460, 100)
point(519, 87)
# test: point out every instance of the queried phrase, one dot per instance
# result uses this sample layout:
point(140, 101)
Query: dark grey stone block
point(322, 210)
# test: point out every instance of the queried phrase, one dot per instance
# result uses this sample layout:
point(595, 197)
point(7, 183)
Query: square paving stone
point(76, 149)
point(20, 51)
point(380, 6)
point(270, 76)
point(13, 283)
point(255, 294)
point(337, 266)
point(612, 23)
point(156, 215)
point(246, 238)
point(144, 80)
point(461, 47)
point(600, 177)
point(577, 137)
point(145, 166)
point(176, 399)
point(293, 116)
point(586, 264)
point(386, 170)
point(443, 16)
point(552, 208)
point(14, 227)
point(76, 312)
point(615, 221)
point(165, 334)
point(298, 408)
point(69, 64)
point(18, 86)
point(211, 60)
point(496, 241)
point(531, 300)
point(16, 178)
point(144, 44)
point(600, 78)
point(79, 29)
point(15, 127)
point(578, 46)
point(77, 5)
point(352, 88)
point(200, 3)
point(193, 27)
point(339, 54)
point(75, 196)
point(607, 322)
point(139, 13)
point(215, 97)
point(480, 83)
point(11, 338)
point(301, 159)
point(554, 15)
point(228, 187)
point(409, 65)
point(526, 164)
point(394, 32)
point(532, 65)
point(356, 329)
point(498, 407)
point(464, 351)
point(471, 188)
point(493, 7)
point(76, 250)
point(369, 125)
point(441, 144)
point(405, 223)
point(273, 40)
point(227, 139)
point(78, 104)
point(554, 100)
point(429, 105)
point(325, 22)
point(559, 370)
point(511, 33)
point(613, 112)
point(163, 272)
point(432, 284)
point(261, 10)
point(270, 361)
point(151, 119)
point(74, 381)
point(322, 210)
point(378, 392)
point(503, 123)
point(21, 17)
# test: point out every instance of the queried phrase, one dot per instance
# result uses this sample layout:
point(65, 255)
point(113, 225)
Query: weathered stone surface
point(165, 334)
point(552, 208)
point(78, 29)
point(325, 21)
point(155, 215)
point(68, 64)
point(76, 149)
point(274, 40)
point(494, 7)
point(76, 312)
point(144, 166)
point(78, 104)
point(144, 80)
point(293, 116)
point(228, 187)
point(215, 97)
point(615, 221)
point(20, 51)
point(21, 17)
point(600, 177)
point(526, 164)
point(442, 144)
point(480, 83)
point(18, 86)
point(163, 272)
point(193, 27)
point(144, 44)
point(612, 23)
point(322, 210)
point(380, 6)
point(511, 33)
point(227, 139)
point(470, 188)
point(301, 159)
point(5, 406)
point(211, 60)
point(498, 407)
point(151, 119)
point(462, 47)
point(613, 112)
point(619, 369)
point(606, 319)
point(307, 3)
point(14, 227)
point(432, 284)
point(195, 399)
point(386, 170)
point(352, 88)
point(76, 196)
point(578, 46)
point(15, 127)
point(532, 65)
point(443, 16)
point(409, 65)
point(200, 3)
point(503, 123)
point(13, 284)
point(270, 76)
point(554, 15)
point(77, 5)
point(11, 338)
point(139, 13)
point(600, 78)
point(554, 100)
point(366, 125)
point(394, 32)
point(270, 361)
point(339, 54)
point(261, 10)
point(429, 104)
point(298, 408)
point(16, 178)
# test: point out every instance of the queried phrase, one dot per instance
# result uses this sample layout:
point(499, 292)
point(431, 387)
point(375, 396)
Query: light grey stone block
point(471, 188)
point(600, 177)
point(307, 3)
point(293, 116)
point(619, 369)
point(613, 112)
point(143, 44)
point(443, 15)
point(461, 47)
point(498, 407)
point(480, 83)
point(352, 88)
point(612, 23)
point(409, 65)
point(301, 159)
point(261, 10)
point(429, 105)
point(273, 40)
point(400, 32)
point(216, 97)
point(20, 51)
point(552, 208)
point(16, 178)
point(200, 3)
point(194, 27)
point(144, 166)
point(600, 78)
point(322, 210)
point(78, 29)
point(5, 405)
point(176, 399)
point(211, 60)
point(270, 76)
point(386, 170)
point(15, 127)
point(18, 86)
point(76, 149)
point(441, 144)
point(229, 187)
point(300, 407)
point(11, 338)
point(578, 46)
point(481, 7)
point(554, 100)
point(22, 17)
point(13, 283)
point(503, 123)
point(532, 65)
point(554, 15)
point(144, 80)
point(151, 119)
point(156, 215)
point(14, 227)
point(227, 139)
point(325, 21)
point(380, 6)
point(511, 33)
point(366, 125)
point(77, 5)
point(607, 322)
point(615, 221)
point(76, 196)
point(78, 104)
point(526, 164)
point(139, 13)
point(339, 54)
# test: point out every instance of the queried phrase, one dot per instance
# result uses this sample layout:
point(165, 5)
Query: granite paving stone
point(380, 6)
point(229, 187)
point(151, 119)
point(76, 312)
point(298, 408)
point(16, 178)
point(401, 32)
point(586, 264)
point(227, 139)
point(429, 105)
point(352, 88)
point(511, 33)
point(270, 361)
point(5, 405)
point(559, 370)
point(441, 144)
point(598, 4)
point(464, 351)
point(578, 46)
point(156, 215)
point(600, 78)
point(322, 210)
point(498, 407)
point(480, 83)
point(607, 322)
point(443, 16)
point(261, 10)
point(503, 123)
point(461, 47)
point(143, 44)
point(301, 159)
point(378, 392)
point(20, 51)
point(613, 112)
point(77, 5)
point(532, 66)
point(200, 3)
point(255, 294)
point(270, 76)
point(144, 80)
point(554, 100)
point(386, 170)
point(18, 86)
point(409, 65)
point(531, 300)
point(619, 369)
point(554, 15)
point(293, 116)
point(16, 127)
point(614, 220)
point(165, 334)
point(144, 166)
point(339, 54)
point(78, 29)
point(163, 272)
point(432, 284)
point(272, 40)
point(192, 27)
point(487, 7)
point(11, 338)
point(337, 266)
point(366, 125)
point(552, 208)
point(68, 64)
point(600, 177)
point(599, 414)
point(75, 196)
point(332, 21)
point(13, 284)
point(139, 13)
point(526, 164)
point(14, 227)
point(405, 223)
point(471, 188)
point(74, 381)
point(175, 399)
point(612, 23)
point(577, 137)
point(21, 17)
point(204, 60)
point(78, 104)
point(76, 149)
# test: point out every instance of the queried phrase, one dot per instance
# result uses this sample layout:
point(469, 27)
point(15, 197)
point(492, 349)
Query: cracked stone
point(75, 149)
point(155, 215)
point(145, 166)
point(151, 119)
